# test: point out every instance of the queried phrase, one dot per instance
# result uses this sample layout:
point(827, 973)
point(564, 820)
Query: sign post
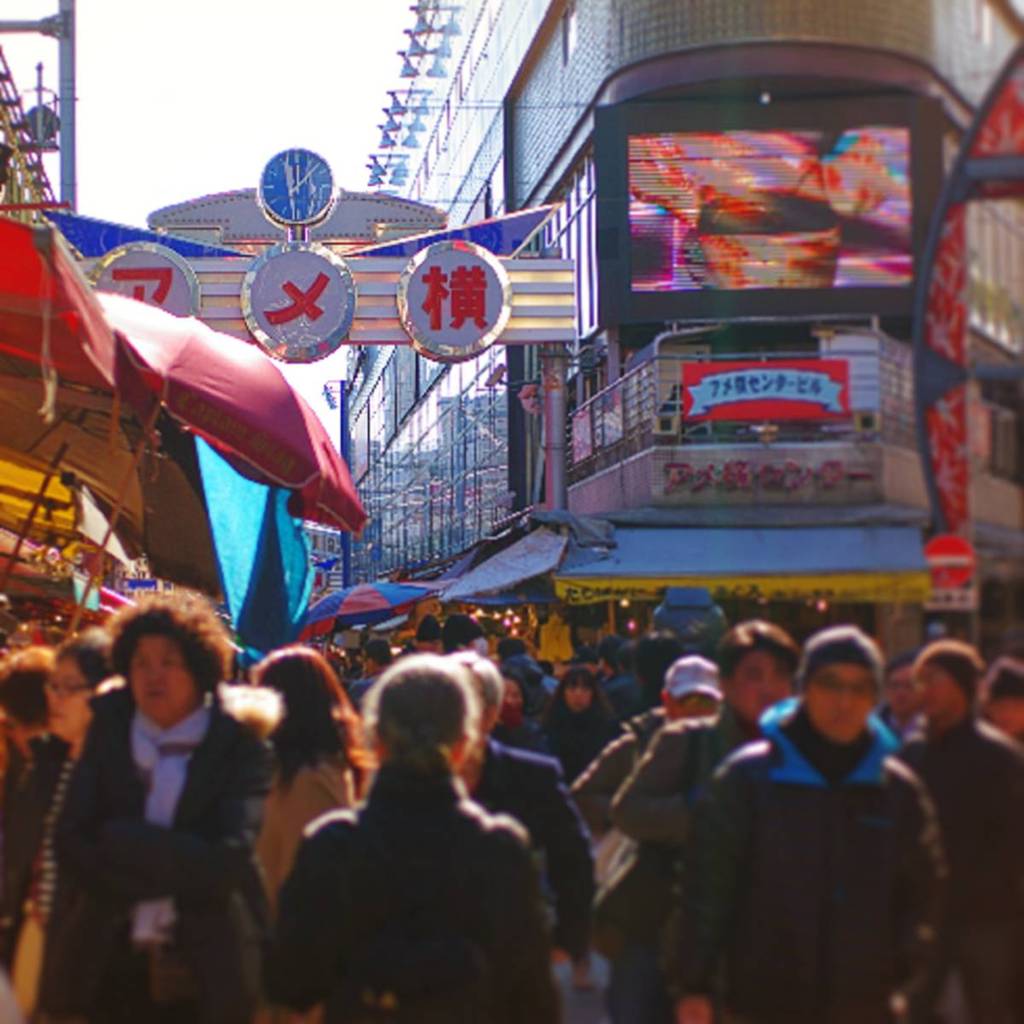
point(952, 563)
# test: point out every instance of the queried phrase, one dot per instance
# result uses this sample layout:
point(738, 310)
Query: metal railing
point(644, 409)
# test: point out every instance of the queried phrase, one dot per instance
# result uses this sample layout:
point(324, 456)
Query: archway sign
point(990, 165)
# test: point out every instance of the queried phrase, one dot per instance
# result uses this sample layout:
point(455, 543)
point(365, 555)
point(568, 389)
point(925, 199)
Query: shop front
point(800, 577)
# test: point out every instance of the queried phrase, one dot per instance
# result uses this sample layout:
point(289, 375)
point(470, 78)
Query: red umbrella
point(236, 398)
point(49, 317)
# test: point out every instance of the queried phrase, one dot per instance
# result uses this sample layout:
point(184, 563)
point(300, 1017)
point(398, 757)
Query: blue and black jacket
point(805, 900)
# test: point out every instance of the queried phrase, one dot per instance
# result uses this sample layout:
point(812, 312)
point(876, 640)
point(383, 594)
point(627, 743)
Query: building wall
point(513, 122)
point(961, 46)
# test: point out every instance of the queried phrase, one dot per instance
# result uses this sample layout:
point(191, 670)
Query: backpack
point(415, 967)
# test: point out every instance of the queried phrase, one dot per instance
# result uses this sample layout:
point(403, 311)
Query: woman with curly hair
point(166, 915)
point(320, 761)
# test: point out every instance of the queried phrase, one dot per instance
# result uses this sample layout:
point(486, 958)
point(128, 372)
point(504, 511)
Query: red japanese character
point(469, 296)
point(736, 475)
point(704, 478)
point(677, 474)
point(162, 276)
point(435, 279)
point(303, 303)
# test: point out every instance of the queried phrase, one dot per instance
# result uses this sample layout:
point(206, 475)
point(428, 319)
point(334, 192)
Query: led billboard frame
point(738, 210)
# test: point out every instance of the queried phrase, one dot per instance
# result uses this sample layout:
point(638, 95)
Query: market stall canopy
point(20, 486)
point(535, 554)
point(49, 317)
point(854, 564)
point(364, 604)
point(237, 399)
point(162, 512)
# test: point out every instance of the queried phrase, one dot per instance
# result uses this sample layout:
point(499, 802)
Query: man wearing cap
point(813, 876)
point(691, 690)
point(976, 776)
point(756, 661)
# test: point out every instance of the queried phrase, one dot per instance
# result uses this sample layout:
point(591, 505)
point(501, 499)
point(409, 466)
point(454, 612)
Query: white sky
point(182, 99)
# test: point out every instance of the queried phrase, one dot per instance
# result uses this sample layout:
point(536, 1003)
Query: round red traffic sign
point(951, 560)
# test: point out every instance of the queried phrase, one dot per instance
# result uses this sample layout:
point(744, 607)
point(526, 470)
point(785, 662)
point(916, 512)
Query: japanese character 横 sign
point(796, 389)
point(298, 300)
point(150, 273)
point(454, 300)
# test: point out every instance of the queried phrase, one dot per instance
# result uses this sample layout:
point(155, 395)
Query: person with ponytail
point(418, 906)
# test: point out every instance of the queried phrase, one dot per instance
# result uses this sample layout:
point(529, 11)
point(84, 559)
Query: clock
point(296, 187)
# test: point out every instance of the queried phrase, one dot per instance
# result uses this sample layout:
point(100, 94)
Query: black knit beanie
point(840, 645)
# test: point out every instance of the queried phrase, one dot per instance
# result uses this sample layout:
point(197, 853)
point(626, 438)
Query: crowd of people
point(766, 833)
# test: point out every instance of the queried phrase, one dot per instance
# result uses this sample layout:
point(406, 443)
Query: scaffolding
point(25, 190)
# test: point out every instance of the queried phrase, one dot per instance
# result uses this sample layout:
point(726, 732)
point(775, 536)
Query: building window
point(569, 31)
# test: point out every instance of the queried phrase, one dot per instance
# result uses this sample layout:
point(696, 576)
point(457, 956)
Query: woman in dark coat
point(79, 665)
point(161, 913)
point(418, 908)
point(578, 722)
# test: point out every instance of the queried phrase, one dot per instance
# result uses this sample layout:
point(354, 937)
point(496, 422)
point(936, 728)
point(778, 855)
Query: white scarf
point(162, 756)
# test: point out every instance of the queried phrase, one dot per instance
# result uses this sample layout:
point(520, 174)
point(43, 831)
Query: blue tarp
point(92, 237)
point(262, 553)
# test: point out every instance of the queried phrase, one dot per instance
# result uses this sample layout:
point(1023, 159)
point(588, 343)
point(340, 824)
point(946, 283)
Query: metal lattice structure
point(27, 187)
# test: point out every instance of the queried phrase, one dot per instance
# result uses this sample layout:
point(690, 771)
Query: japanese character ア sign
point(795, 389)
point(454, 300)
point(150, 273)
point(298, 300)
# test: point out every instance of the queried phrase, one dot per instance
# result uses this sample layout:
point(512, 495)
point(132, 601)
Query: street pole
point(66, 53)
point(554, 364)
point(343, 448)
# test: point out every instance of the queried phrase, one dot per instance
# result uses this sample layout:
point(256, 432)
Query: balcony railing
point(644, 409)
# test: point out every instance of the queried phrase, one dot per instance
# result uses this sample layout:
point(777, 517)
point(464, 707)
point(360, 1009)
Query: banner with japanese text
point(792, 389)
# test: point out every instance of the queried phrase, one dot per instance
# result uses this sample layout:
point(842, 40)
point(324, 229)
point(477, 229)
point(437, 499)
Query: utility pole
point(554, 365)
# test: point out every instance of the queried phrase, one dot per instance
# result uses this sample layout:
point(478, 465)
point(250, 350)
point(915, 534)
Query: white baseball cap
point(692, 674)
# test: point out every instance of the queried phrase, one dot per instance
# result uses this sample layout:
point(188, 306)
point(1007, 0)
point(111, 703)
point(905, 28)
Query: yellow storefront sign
point(850, 588)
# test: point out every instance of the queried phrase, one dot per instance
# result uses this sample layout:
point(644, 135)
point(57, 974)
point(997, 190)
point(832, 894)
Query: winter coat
point(529, 787)
point(111, 858)
point(653, 808)
point(313, 791)
point(975, 775)
point(655, 804)
point(815, 902)
point(417, 849)
point(594, 789)
point(29, 789)
point(528, 735)
point(625, 695)
point(576, 738)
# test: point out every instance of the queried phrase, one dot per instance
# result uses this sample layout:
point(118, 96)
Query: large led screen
point(737, 210)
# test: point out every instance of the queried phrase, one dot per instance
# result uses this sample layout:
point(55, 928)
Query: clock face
point(296, 187)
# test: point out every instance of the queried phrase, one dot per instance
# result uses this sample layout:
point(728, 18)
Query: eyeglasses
point(858, 691)
point(66, 689)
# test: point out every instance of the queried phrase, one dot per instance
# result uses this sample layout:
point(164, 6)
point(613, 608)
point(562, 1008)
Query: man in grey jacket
point(757, 661)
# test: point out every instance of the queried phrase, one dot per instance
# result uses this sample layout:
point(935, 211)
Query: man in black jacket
point(976, 776)
point(813, 875)
point(529, 787)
